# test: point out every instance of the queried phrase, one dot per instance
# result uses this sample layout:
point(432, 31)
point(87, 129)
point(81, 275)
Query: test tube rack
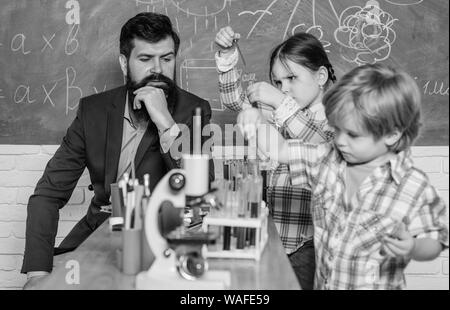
point(213, 222)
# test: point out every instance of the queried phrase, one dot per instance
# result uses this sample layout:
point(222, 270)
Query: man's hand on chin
point(155, 101)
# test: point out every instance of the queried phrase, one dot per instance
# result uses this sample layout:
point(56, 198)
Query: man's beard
point(156, 80)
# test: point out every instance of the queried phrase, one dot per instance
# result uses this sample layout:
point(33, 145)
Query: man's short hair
point(383, 99)
point(148, 26)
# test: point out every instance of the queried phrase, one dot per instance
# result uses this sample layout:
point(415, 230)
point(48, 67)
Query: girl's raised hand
point(225, 39)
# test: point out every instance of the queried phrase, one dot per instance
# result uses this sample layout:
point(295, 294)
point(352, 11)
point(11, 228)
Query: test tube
point(255, 195)
point(226, 169)
point(228, 205)
point(233, 174)
point(197, 131)
point(241, 192)
point(240, 243)
point(264, 185)
point(226, 238)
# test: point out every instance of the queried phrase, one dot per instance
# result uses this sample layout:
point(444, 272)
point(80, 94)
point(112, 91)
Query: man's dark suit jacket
point(93, 141)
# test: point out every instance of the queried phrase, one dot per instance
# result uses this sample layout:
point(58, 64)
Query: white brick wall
point(21, 166)
point(20, 169)
point(434, 274)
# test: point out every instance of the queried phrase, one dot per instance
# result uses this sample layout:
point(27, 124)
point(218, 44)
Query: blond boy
point(373, 211)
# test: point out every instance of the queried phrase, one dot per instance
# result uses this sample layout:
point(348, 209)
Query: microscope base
point(164, 276)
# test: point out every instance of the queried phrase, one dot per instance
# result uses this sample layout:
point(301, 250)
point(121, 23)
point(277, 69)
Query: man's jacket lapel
point(114, 138)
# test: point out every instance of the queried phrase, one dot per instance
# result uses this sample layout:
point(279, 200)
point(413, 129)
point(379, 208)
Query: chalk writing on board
point(404, 2)
point(23, 92)
point(18, 43)
point(247, 77)
point(72, 41)
point(45, 75)
point(365, 33)
point(201, 11)
point(48, 93)
point(99, 91)
point(315, 29)
point(435, 88)
point(71, 75)
point(151, 2)
point(48, 42)
point(200, 77)
point(253, 12)
point(263, 13)
point(290, 18)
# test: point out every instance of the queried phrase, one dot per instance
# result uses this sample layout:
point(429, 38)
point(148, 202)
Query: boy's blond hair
point(382, 98)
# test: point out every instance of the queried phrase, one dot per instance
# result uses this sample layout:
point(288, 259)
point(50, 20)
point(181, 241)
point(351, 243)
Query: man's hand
point(401, 243)
point(33, 282)
point(225, 39)
point(265, 93)
point(155, 101)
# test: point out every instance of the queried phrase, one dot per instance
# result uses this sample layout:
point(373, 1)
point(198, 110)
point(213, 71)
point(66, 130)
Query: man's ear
point(393, 137)
point(322, 76)
point(123, 64)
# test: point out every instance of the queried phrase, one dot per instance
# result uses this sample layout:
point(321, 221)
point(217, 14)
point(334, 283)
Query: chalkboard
point(54, 52)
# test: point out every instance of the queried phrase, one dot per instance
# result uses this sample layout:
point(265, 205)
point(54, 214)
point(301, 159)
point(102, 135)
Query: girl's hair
point(382, 99)
point(306, 50)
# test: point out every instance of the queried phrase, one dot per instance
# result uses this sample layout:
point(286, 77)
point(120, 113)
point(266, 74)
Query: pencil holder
point(131, 251)
point(147, 255)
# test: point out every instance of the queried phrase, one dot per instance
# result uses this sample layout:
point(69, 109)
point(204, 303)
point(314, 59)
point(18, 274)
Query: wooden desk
point(98, 266)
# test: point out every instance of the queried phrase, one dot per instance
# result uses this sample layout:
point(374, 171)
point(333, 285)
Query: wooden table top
point(98, 261)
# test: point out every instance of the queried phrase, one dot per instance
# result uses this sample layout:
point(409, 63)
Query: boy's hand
point(225, 40)
point(265, 93)
point(399, 243)
point(248, 121)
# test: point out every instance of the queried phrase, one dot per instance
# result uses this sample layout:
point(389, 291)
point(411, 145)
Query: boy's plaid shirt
point(289, 206)
point(348, 234)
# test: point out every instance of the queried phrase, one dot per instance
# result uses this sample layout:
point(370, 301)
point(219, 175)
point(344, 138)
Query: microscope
point(179, 261)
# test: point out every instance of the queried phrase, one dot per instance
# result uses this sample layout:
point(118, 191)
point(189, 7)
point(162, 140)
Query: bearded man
point(133, 126)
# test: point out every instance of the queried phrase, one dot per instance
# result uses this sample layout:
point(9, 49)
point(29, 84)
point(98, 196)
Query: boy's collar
point(400, 165)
